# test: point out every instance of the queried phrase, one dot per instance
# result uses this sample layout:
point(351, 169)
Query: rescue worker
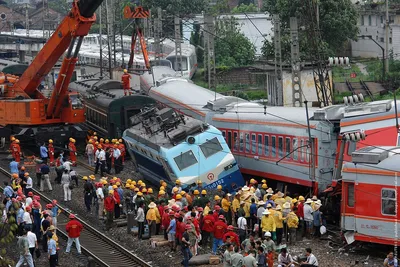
point(126, 84)
point(234, 238)
point(87, 191)
point(121, 148)
point(72, 151)
point(51, 152)
point(219, 231)
point(74, 229)
point(89, 150)
point(16, 150)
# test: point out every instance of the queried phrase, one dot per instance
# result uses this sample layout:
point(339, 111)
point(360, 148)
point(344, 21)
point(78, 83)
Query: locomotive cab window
point(211, 147)
point(76, 102)
point(185, 160)
point(388, 202)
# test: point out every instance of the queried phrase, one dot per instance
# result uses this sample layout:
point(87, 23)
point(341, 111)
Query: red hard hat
point(217, 207)
point(221, 217)
point(72, 216)
point(177, 215)
point(171, 213)
point(230, 227)
point(188, 227)
point(49, 206)
point(30, 194)
point(200, 209)
point(176, 208)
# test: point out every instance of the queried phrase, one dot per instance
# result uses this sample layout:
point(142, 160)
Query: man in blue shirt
point(13, 166)
point(253, 213)
point(43, 152)
point(52, 249)
point(8, 191)
point(172, 230)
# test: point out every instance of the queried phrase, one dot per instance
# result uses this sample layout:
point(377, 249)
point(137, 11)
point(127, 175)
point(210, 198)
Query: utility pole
point(387, 31)
point(27, 20)
point(178, 45)
point(295, 60)
point(277, 98)
point(210, 37)
point(105, 46)
point(157, 36)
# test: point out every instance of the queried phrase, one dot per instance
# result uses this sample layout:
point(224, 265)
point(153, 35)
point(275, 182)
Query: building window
point(362, 20)
point(382, 40)
point(388, 202)
point(390, 40)
point(350, 195)
point(369, 20)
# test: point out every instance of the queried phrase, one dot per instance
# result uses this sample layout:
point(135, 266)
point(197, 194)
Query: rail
point(105, 251)
point(366, 89)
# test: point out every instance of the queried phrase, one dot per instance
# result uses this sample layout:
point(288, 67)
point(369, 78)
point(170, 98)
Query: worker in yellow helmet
point(126, 83)
point(177, 185)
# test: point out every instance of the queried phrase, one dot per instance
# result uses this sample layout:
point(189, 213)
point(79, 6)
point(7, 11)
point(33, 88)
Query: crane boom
point(77, 23)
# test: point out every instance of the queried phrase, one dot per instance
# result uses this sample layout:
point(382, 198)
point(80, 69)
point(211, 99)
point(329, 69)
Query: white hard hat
point(267, 234)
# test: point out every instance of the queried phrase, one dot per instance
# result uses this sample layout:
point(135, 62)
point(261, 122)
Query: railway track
point(359, 88)
point(104, 251)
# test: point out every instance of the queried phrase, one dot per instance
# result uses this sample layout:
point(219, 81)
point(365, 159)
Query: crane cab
point(73, 111)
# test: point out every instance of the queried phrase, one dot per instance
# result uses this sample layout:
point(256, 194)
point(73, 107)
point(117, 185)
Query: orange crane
point(137, 14)
point(24, 110)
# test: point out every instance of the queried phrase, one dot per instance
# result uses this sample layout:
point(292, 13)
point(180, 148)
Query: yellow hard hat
point(107, 141)
point(50, 141)
point(13, 138)
point(178, 196)
point(252, 181)
point(17, 141)
point(162, 188)
point(263, 181)
point(73, 140)
point(101, 139)
point(136, 189)
point(84, 177)
point(120, 140)
point(294, 200)
point(199, 182)
point(143, 184)
point(125, 71)
point(264, 186)
point(95, 138)
point(144, 190)
point(92, 177)
point(150, 190)
point(129, 180)
point(133, 182)
point(70, 139)
point(111, 192)
point(177, 182)
point(217, 197)
point(183, 193)
point(140, 181)
point(203, 192)
point(162, 192)
point(114, 178)
point(175, 189)
point(140, 194)
point(301, 198)
point(104, 181)
point(115, 186)
point(196, 192)
point(90, 141)
point(118, 183)
point(164, 184)
point(117, 143)
point(219, 187)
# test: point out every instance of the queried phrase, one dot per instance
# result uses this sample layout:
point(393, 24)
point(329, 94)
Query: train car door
point(348, 220)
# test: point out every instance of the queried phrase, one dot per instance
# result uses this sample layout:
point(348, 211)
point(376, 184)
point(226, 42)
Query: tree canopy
point(337, 19)
point(232, 48)
point(182, 8)
point(242, 8)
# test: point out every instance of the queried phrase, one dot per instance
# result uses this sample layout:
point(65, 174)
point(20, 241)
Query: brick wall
point(241, 75)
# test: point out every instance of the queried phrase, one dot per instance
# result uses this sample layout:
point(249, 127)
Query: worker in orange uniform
point(126, 83)
point(72, 151)
point(51, 152)
point(121, 148)
point(12, 141)
point(16, 151)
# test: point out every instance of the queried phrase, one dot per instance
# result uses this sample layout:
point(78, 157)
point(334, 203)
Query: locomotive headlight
point(74, 114)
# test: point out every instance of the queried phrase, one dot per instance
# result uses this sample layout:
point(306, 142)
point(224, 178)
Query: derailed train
point(273, 143)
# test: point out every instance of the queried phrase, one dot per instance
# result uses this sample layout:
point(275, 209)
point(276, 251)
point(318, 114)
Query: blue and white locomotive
point(166, 145)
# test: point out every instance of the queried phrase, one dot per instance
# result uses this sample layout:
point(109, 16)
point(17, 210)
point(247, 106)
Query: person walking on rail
point(74, 229)
point(45, 177)
point(72, 151)
point(126, 84)
point(23, 247)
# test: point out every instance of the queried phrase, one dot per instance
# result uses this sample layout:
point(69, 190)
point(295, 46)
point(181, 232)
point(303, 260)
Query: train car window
point(266, 145)
point(235, 141)
point(308, 152)
point(302, 150)
point(211, 147)
point(185, 160)
point(280, 146)
point(247, 143)
point(224, 134)
point(350, 195)
point(388, 202)
point(295, 146)
point(253, 144)
point(229, 141)
point(273, 146)
point(288, 148)
point(241, 144)
point(351, 147)
point(260, 144)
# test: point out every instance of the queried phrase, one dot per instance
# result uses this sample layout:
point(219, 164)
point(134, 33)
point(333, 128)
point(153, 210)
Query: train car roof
point(187, 50)
point(381, 160)
point(181, 93)
point(158, 73)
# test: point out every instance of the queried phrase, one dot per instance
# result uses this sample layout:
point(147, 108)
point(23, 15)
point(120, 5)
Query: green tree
point(337, 18)
point(197, 39)
point(7, 231)
point(220, 7)
point(232, 48)
point(182, 8)
point(242, 8)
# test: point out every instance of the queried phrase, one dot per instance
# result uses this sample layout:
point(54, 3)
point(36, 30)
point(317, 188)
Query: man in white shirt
point(285, 259)
point(29, 183)
point(100, 200)
point(311, 259)
point(32, 241)
point(100, 158)
point(67, 165)
point(117, 159)
point(242, 225)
